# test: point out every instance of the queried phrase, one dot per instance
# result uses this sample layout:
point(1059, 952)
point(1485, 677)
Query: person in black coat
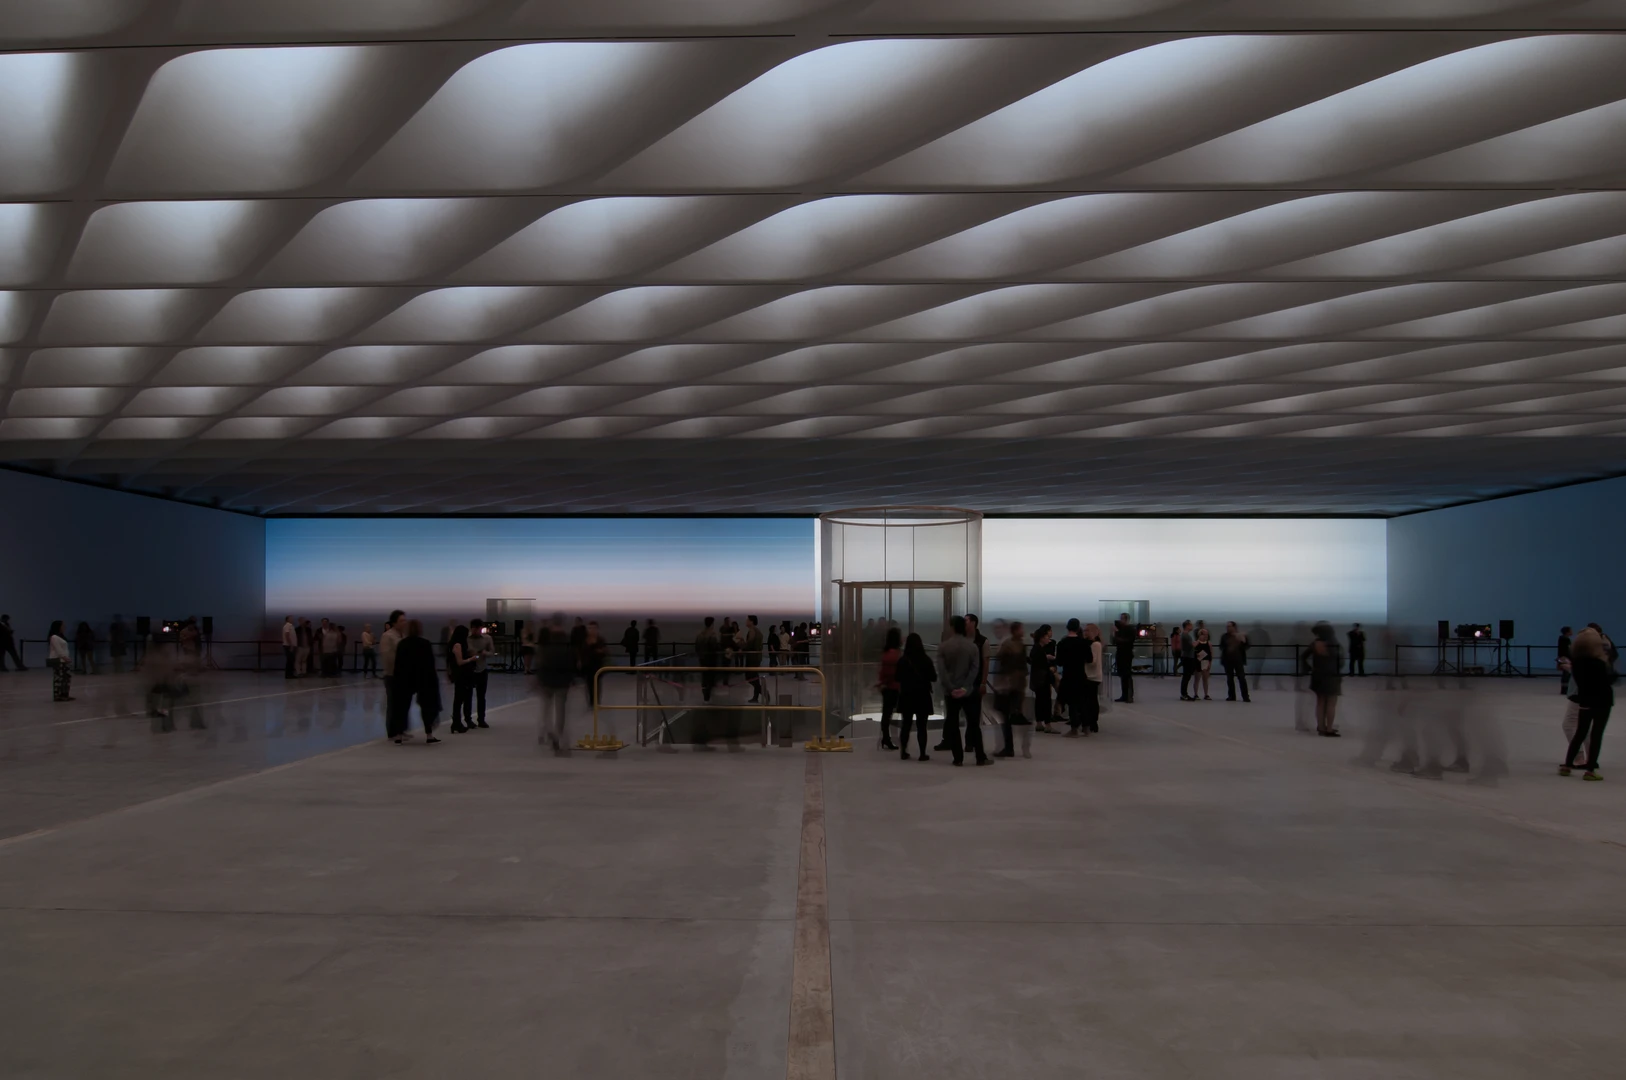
point(1042, 677)
point(415, 675)
point(915, 674)
point(629, 642)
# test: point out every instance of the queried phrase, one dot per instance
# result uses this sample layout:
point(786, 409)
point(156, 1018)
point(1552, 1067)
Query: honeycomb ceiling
point(417, 256)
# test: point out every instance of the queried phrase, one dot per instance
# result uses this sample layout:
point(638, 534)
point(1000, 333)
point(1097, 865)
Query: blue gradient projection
point(598, 567)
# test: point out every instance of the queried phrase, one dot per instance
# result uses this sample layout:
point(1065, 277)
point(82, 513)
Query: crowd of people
point(320, 649)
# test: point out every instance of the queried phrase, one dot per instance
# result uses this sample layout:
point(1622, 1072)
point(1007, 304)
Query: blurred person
point(8, 644)
point(61, 661)
point(1259, 637)
point(1442, 727)
point(332, 643)
point(751, 657)
point(1188, 660)
point(446, 638)
point(1012, 679)
point(1234, 658)
point(1073, 657)
point(652, 640)
point(395, 717)
point(1564, 662)
point(412, 671)
point(1123, 648)
point(1326, 679)
point(84, 649)
point(459, 661)
point(527, 650)
point(916, 673)
point(774, 645)
point(290, 646)
point(344, 648)
point(962, 679)
point(1042, 677)
point(629, 642)
point(190, 643)
point(555, 671)
point(1174, 650)
point(302, 649)
point(886, 681)
point(1205, 663)
point(594, 653)
point(482, 646)
point(118, 642)
point(1592, 657)
point(578, 636)
point(369, 652)
point(1357, 650)
point(708, 652)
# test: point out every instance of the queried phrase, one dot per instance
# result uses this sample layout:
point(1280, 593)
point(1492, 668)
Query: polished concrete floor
point(1199, 891)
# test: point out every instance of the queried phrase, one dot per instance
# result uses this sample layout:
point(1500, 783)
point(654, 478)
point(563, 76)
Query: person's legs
point(1041, 707)
point(889, 705)
point(1202, 680)
point(973, 726)
point(1008, 733)
point(481, 679)
point(1564, 682)
point(1027, 740)
point(1185, 679)
point(287, 661)
point(1242, 681)
point(952, 708)
point(1600, 718)
point(462, 704)
point(1583, 728)
point(1126, 682)
point(1090, 707)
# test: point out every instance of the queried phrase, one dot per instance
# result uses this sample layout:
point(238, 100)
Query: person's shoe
point(1563, 770)
point(924, 757)
point(1072, 733)
point(940, 747)
point(1429, 772)
point(481, 723)
point(458, 729)
point(1230, 699)
point(1459, 765)
point(1028, 754)
point(985, 761)
point(889, 746)
point(1004, 753)
point(430, 740)
point(1590, 775)
point(397, 740)
point(1121, 701)
point(1335, 734)
point(957, 764)
point(904, 755)
point(1207, 698)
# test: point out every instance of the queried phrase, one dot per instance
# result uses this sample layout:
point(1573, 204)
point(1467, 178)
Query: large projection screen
point(1276, 571)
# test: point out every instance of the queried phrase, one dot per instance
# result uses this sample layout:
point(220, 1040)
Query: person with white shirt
point(369, 652)
point(290, 646)
point(61, 661)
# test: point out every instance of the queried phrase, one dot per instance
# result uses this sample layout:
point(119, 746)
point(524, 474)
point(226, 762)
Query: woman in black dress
point(1042, 677)
point(915, 675)
point(460, 673)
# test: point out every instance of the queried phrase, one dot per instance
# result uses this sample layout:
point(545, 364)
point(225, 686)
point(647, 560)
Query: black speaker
point(1445, 629)
point(143, 625)
point(1507, 629)
point(208, 626)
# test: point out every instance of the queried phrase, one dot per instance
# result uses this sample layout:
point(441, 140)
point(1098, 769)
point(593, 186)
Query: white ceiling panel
point(779, 254)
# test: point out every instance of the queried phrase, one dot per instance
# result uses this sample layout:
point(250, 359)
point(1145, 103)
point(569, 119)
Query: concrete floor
point(1199, 891)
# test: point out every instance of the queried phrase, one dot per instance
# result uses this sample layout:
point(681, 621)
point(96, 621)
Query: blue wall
point(72, 552)
point(1544, 560)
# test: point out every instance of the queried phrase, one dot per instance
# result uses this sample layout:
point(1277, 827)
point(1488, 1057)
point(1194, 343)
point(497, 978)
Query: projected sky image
point(643, 567)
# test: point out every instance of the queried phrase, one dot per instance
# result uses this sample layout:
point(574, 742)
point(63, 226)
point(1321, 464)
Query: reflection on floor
point(1200, 891)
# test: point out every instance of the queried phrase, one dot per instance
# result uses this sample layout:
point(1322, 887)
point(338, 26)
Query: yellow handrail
point(596, 742)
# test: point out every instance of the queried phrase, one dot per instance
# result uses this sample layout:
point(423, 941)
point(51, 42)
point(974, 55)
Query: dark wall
point(72, 552)
point(1544, 560)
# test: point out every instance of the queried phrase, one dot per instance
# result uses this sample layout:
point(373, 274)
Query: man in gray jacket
point(961, 663)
